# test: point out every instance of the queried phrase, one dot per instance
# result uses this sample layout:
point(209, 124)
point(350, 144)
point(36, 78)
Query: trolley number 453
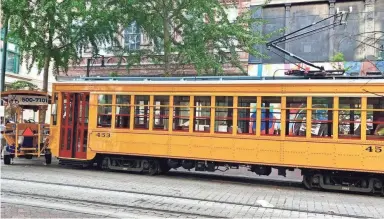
point(103, 134)
point(377, 149)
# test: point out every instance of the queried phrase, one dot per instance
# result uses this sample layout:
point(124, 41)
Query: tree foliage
point(20, 85)
point(113, 74)
point(194, 32)
point(338, 57)
point(57, 30)
point(198, 33)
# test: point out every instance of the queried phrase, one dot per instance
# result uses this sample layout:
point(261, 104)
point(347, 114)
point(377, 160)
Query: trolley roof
point(224, 80)
point(5, 94)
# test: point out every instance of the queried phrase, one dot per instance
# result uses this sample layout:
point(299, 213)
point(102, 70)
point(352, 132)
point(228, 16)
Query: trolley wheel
point(306, 182)
point(104, 164)
point(154, 168)
point(7, 159)
point(48, 158)
point(164, 168)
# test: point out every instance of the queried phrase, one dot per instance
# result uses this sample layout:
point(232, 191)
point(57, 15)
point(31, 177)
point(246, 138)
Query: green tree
point(113, 74)
point(55, 32)
point(194, 32)
point(337, 59)
point(19, 85)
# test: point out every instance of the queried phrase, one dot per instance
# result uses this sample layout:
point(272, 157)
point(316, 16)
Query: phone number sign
point(27, 100)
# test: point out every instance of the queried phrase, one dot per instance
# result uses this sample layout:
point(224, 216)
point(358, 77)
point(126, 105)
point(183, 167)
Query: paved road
point(29, 189)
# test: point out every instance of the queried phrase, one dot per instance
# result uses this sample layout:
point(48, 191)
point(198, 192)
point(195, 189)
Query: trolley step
point(33, 154)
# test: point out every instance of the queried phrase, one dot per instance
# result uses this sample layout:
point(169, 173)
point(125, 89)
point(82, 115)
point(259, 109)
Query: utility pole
point(3, 67)
point(4, 56)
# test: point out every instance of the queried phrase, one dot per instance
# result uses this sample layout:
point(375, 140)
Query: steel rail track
point(166, 196)
point(125, 206)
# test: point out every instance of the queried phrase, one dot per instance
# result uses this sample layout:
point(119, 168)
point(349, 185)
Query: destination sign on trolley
point(27, 100)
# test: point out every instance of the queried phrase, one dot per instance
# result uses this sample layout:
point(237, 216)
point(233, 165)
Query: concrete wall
point(287, 16)
point(366, 18)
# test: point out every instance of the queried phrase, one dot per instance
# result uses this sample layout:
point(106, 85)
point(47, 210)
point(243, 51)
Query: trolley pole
point(4, 56)
point(89, 63)
point(88, 66)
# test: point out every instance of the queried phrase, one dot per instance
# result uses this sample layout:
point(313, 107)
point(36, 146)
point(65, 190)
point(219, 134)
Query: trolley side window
point(296, 116)
point(375, 118)
point(104, 110)
point(350, 118)
point(270, 116)
point(202, 114)
point(141, 112)
point(181, 112)
point(322, 117)
point(161, 113)
point(54, 108)
point(246, 115)
point(223, 114)
point(123, 111)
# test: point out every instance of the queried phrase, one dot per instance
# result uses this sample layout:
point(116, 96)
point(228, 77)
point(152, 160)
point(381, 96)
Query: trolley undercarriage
point(312, 179)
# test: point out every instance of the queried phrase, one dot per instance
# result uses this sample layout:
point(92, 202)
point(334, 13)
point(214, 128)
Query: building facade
point(134, 39)
point(360, 41)
point(16, 69)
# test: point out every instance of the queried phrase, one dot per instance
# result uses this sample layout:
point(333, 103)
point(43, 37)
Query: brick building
point(134, 39)
point(365, 24)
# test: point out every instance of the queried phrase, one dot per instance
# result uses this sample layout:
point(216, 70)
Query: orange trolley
point(328, 128)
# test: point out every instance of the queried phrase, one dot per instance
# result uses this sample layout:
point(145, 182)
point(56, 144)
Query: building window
point(141, 112)
point(181, 112)
point(104, 111)
point(161, 113)
point(224, 114)
point(123, 111)
point(158, 46)
point(12, 64)
point(132, 37)
point(381, 53)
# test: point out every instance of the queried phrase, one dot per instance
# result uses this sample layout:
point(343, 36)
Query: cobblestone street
point(30, 189)
point(11, 210)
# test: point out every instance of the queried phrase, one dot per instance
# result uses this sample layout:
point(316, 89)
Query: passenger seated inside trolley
point(379, 130)
point(375, 112)
point(323, 113)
